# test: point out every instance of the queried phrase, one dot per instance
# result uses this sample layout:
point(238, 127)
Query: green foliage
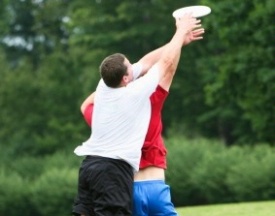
point(205, 171)
point(254, 178)
point(209, 176)
point(53, 192)
point(199, 172)
point(29, 168)
point(58, 162)
point(223, 88)
point(39, 186)
point(239, 75)
point(16, 94)
point(15, 196)
point(35, 29)
point(183, 158)
point(37, 117)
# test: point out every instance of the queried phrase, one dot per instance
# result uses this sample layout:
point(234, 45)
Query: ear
point(124, 81)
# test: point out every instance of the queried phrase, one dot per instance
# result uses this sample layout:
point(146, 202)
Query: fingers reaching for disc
point(188, 22)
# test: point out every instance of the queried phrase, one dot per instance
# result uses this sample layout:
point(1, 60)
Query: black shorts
point(105, 187)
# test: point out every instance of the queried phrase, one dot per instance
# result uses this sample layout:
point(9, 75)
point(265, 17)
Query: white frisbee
point(196, 11)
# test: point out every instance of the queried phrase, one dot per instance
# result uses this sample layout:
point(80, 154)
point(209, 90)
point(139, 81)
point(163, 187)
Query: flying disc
point(196, 11)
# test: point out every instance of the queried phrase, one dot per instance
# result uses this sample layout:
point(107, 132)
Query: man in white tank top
point(120, 121)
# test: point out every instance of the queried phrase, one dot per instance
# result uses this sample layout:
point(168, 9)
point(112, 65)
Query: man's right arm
point(166, 81)
point(169, 59)
point(153, 57)
point(168, 62)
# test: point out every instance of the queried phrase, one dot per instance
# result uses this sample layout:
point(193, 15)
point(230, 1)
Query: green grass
point(237, 209)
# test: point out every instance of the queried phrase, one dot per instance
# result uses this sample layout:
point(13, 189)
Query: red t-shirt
point(153, 150)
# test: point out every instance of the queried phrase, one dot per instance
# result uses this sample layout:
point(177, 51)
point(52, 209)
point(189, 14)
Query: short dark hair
point(112, 69)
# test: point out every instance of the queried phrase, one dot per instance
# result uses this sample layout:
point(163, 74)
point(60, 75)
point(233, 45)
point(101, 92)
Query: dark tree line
point(50, 52)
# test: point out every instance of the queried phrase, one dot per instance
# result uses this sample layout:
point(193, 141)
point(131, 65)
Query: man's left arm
point(152, 57)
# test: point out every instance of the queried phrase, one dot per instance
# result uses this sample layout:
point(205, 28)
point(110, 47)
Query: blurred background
point(219, 118)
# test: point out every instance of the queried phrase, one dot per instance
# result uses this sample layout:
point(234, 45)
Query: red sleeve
point(87, 114)
point(158, 97)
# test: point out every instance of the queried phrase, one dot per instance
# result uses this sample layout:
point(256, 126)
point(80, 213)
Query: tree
point(239, 72)
point(34, 29)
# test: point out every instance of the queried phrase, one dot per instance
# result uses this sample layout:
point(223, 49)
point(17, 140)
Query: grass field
point(238, 209)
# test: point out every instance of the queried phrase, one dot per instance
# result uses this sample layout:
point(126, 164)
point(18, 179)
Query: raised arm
point(194, 35)
point(150, 59)
point(169, 59)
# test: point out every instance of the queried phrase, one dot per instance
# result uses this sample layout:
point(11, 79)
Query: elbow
point(169, 65)
point(82, 108)
point(167, 61)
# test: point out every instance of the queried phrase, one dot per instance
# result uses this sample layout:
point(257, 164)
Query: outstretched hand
point(194, 36)
point(187, 23)
point(191, 26)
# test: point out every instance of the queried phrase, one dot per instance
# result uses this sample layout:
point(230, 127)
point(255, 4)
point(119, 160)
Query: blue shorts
point(152, 198)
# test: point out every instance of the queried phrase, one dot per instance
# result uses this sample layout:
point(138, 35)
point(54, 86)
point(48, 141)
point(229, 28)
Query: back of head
point(112, 69)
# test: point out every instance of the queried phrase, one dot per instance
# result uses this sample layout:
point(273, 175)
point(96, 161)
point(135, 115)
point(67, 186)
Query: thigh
point(83, 204)
point(140, 199)
point(160, 201)
point(110, 187)
point(152, 198)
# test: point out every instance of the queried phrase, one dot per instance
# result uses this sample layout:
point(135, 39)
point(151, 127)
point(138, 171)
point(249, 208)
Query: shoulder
point(137, 70)
point(159, 95)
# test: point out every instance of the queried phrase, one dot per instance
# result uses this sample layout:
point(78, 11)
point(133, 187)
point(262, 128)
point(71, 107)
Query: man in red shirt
point(151, 194)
